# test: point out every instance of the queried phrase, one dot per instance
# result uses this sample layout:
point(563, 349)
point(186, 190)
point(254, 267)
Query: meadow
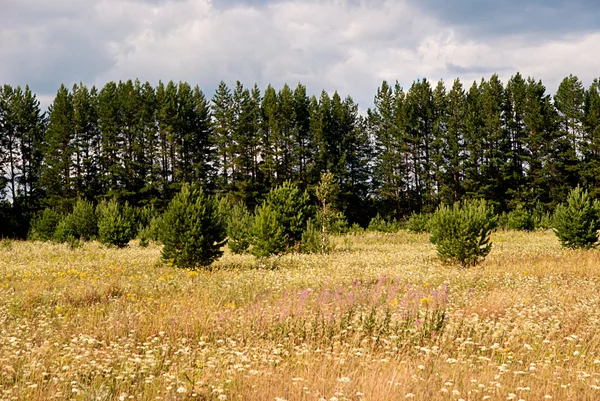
point(380, 318)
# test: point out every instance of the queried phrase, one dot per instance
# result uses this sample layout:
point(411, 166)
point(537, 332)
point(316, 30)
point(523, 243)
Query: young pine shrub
point(268, 236)
point(418, 222)
point(576, 224)
point(379, 224)
point(116, 223)
point(461, 232)
point(292, 210)
point(520, 219)
point(149, 231)
point(192, 229)
point(43, 226)
point(542, 219)
point(314, 240)
point(79, 224)
point(239, 228)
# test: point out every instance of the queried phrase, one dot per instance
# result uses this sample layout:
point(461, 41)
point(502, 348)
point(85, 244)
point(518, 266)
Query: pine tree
point(86, 142)
point(590, 172)
point(192, 229)
point(222, 111)
point(385, 124)
point(453, 154)
point(292, 210)
point(513, 170)
point(56, 177)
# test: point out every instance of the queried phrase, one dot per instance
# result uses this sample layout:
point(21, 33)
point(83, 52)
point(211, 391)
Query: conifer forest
point(513, 144)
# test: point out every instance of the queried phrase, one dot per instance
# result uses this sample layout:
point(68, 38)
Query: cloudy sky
point(344, 45)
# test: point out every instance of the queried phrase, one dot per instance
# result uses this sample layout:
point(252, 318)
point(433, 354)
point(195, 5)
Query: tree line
point(512, 144)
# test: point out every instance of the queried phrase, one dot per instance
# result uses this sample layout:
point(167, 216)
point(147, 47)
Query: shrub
point(44, 225)
point(380, 224)
point(314, 240)
point(291, 209)
point(84, 220)
point(418, 222)
point(82, 223)
point(239, 227)
point(542, 219)
point(461, 232)
point(65, 230)
point(192, 229)
point(268, 237)
point(576, 224)
point(148, 232)
point(520, 219)
point(116, 223)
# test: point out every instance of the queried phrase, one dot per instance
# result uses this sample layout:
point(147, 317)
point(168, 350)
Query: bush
point(520, 219)
point(461, 233)
point(292, 210)
point(148, 232)
point(418, 222)
point(44, 225)
point(192, 229)
point(380, 224)
point(268, 237)
point(576, 224)
point(239, 227)
point(65, 230)
point(542, 219)
point(314, 240)
point(116, 223)
point(84, 220)
point(82, 223)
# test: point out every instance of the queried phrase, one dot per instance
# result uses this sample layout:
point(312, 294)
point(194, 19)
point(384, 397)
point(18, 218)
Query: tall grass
point(378, 319)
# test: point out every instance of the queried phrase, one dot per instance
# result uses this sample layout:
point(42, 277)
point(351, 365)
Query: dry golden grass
point(379, 319)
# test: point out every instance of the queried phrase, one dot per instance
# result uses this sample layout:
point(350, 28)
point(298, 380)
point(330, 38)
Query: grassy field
point(378, 319)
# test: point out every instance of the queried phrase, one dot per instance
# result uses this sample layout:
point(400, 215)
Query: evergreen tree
point(192, 229)
point(385, 124)
point(86, 142)
point(590, 172)
point(513, 170)
point(56, 175)
point(292, 210)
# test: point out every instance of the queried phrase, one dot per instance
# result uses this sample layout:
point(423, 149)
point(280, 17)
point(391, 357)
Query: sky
point(346, 45)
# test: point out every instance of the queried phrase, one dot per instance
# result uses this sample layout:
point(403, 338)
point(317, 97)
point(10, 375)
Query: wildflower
point(181, 390)
point(344, 380)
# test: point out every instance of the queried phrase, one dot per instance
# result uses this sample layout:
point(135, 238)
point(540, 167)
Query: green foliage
point(116, 223)
point(148, 221)
point(418, 222)
point(461, 233)
point(355, 229)
point(314, 240)
point(542, 219)
point(149, 232)
point(380, 224)
point(576, 224)
point(291, 209)
point(520, 219)
point(268, 236)
point(239, 228)
point(82, 223)
point(84, 220)
point(192, 229)
point(44, 225)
